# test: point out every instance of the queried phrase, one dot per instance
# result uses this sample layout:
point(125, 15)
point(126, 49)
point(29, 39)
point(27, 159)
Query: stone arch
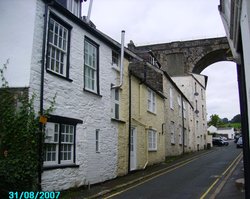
point(211, 58)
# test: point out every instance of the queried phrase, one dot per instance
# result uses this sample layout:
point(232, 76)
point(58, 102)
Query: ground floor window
point(59, 143)
point(152, 140)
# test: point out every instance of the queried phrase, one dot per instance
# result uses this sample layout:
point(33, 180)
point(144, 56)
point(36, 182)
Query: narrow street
point(194, 179)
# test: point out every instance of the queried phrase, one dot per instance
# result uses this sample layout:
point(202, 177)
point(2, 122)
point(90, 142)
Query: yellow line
point(218, 178)
point(151, 178)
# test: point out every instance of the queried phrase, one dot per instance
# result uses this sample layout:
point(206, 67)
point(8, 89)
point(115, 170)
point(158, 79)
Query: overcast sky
point(162, 21)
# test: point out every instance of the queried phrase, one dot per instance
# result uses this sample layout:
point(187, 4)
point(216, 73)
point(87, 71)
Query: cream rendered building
point(194, 86)
point(141, 111)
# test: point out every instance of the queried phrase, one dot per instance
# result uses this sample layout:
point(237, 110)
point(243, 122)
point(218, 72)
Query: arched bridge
point(182, 57)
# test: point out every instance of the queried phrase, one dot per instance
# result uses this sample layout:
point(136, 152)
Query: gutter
point(122, 60)
point(40, 134)
point(129, 123)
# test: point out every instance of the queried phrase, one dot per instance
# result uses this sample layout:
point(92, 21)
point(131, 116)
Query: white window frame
point(180, 135)
point(152, 140)
point(57, 48)
point(179, 105)
point(171, 99)
point(172, 132)
point(151, 101)
point(115, 109)
point(115, 59)
point(63, 137)
point(91, 66)
point(97, 140)
point(184, 110)
point(74, 6)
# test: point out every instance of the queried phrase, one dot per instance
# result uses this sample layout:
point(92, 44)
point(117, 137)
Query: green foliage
point(215, 121)
point(19, 139)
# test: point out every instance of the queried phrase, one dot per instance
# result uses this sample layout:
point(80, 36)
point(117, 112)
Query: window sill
point(153, 113)
point(115, 67)
point(59, 166)
point(152, 150)
point(96, 94)
point(117, 120)
point(60, 76)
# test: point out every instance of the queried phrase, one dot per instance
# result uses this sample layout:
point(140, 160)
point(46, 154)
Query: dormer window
point(74, 6)
point(152, 60)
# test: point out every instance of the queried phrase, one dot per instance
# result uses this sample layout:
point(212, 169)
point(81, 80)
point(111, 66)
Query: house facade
point(69, 60)
point(194, 87)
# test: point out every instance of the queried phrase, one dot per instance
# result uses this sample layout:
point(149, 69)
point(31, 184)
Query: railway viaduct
point(183, 57)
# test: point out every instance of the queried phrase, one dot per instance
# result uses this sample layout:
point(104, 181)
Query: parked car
point(218, 141)
point(239, 143)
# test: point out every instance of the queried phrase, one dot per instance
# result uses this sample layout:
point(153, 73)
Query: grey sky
point(161, 21)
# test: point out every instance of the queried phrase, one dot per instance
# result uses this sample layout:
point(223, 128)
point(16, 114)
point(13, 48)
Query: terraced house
point(66, 57)
point(116, 110)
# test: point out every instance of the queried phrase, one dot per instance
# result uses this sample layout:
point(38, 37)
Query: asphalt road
point(189, 181)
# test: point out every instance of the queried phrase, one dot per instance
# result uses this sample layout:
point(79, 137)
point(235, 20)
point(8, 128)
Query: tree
point(225, 120)
point(215, 120)
point(236, 119)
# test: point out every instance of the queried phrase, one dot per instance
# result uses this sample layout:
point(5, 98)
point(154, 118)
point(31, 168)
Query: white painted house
point(54, 52)
point(226, 132)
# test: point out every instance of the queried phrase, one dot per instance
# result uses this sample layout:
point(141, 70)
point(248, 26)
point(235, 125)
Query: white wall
point(16, 37)
point(73, 102)
point(245, 32)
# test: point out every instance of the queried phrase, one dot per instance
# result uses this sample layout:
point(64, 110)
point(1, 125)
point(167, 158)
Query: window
point(115, 58)
point(115, 103)
point(151, 101)
point(172, 133)
point(91, 78)
point(58, 46)
point(179, 105)
point(74, 6)
point(180, 135)
point(60, 141)
point(184, 110)
point(97, 145)
point(59, 137)
point(171, 98)
point(152, 140)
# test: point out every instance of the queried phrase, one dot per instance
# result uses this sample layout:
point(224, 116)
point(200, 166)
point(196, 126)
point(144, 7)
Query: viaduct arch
point(183, 57)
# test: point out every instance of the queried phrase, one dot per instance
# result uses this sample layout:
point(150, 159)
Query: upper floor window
point(115, 103)
point(152, 140)
point(151, 101)
point(58, 46)
point(179, 105)
point(91, 76)
point(74, 6)
point(184, 110)
point(171, 100)
point(115, 58)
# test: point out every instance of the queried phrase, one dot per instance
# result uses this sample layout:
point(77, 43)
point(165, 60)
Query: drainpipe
point(122, 60)
point(89, 11)
point(129, 123)
point(40, 134)
point(183, 123)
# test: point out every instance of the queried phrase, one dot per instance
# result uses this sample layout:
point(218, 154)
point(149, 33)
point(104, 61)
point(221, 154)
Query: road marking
point(151, 178)
point(148, 176)
point(237, 159)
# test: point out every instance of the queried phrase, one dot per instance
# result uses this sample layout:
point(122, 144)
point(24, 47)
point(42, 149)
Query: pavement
point(225, 188)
